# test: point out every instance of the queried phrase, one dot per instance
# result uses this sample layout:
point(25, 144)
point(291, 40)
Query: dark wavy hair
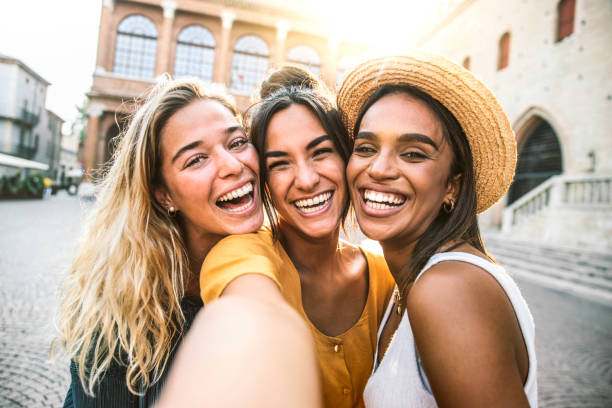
point(287, 86)
point(461, 223)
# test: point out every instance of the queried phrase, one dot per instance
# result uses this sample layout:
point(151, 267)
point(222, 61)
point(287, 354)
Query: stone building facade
point(227, 42)
point(27, 129)
point(548, 62)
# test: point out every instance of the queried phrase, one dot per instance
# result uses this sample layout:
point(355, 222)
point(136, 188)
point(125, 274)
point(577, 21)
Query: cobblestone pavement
point(574, 336)
point(36, 244)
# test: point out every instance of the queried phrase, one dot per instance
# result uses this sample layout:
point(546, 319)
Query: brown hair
point(282, 88)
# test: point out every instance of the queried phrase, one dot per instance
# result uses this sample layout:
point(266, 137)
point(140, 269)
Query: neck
point(198, 244)
point(301, 248)
point(397, 255)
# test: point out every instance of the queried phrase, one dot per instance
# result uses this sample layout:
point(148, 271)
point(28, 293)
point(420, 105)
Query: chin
point(374, 230)
point(246, 226)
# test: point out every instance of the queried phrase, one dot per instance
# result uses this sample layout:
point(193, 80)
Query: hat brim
point(480, 115)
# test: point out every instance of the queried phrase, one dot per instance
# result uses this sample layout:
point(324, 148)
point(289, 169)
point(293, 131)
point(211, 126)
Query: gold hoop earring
point(449, 207)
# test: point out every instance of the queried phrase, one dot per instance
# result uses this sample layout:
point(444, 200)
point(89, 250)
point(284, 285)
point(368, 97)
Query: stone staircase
point(580, 271)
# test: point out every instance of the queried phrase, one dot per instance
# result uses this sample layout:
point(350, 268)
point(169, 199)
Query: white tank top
point(399, 380)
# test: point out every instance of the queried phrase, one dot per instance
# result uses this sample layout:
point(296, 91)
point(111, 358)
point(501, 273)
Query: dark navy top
point(112, 390)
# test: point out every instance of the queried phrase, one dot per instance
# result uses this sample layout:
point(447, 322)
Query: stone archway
point(111, 140)
point(539, 157)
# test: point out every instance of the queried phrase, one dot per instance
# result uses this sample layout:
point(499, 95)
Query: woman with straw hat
point(432, 149)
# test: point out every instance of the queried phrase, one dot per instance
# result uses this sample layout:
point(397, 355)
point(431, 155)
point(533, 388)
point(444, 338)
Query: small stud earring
point(171, 211)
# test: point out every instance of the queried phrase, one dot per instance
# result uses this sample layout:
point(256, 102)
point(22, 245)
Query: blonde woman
point(184, 175)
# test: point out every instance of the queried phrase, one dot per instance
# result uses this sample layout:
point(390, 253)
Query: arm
point(245, 352)
point(465, 330)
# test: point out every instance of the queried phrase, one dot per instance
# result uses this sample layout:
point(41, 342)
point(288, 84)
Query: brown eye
point(195, 160)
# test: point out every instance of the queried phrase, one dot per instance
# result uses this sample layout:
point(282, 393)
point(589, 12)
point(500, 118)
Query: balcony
point(29, 118)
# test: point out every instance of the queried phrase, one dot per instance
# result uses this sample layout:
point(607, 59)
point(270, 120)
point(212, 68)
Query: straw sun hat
point(484, 122)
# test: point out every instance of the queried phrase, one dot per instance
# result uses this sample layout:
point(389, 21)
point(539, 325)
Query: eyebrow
point(314, 142)
point(192, 145)
point(406, 137)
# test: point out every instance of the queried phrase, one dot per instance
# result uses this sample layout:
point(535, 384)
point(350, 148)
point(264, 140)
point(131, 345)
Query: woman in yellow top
point(338, 288)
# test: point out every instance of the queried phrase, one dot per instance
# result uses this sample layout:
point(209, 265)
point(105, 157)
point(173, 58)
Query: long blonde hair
point(121, 299)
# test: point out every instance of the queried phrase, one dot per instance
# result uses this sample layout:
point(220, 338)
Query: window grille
point(249, 64)
point(305, 57)
point(195, 53)
point(136, 47)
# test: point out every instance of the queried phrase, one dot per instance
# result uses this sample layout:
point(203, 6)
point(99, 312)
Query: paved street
point(574, 336)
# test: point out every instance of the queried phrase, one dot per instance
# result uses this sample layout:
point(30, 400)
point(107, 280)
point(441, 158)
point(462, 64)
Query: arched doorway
point(539, 158)
point(111, 140)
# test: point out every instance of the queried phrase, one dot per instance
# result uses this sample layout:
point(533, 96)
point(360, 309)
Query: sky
point(58, 38)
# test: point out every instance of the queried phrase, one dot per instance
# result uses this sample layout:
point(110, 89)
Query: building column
point(164, 39)
point(224, 54)
point(103, 59)
point(94, 112)
point(331, 62)
point(282, 28)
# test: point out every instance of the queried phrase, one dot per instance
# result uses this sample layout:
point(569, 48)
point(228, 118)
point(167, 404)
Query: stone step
point(564, 263)
point(597, 257)
point(583, 257)
point(513, 264)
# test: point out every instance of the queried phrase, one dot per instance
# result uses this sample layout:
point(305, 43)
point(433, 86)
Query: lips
point(237, 200)
point(313, 204)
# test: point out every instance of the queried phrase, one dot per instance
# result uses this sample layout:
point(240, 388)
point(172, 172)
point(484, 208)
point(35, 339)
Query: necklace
point(397, 300)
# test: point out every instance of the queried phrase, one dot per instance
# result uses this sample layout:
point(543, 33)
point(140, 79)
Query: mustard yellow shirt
point(345, 361)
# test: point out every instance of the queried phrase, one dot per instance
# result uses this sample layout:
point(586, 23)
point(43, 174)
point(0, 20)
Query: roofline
point(56, 115)
point(11, 60)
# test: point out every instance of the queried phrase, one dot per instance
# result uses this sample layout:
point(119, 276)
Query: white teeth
point(372, 197)
point(313, 204)
point(239, 192)
point(378, 206)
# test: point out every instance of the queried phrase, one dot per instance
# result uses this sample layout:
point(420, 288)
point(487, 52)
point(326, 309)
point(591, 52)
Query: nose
point(228, 164)
point(382, 167)
point(306, 177)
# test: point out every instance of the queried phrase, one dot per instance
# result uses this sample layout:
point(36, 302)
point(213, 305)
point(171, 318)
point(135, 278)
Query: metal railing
point(29, 118)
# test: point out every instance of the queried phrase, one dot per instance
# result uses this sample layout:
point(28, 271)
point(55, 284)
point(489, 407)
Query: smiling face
point(210, 171)
point(398, 173)
point(305, 173)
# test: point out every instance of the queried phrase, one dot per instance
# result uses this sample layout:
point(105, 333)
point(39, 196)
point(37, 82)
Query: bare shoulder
point(457, 288)
point(464, 326)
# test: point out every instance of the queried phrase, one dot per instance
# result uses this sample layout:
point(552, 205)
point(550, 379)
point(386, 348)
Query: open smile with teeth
point(237, 200)
point(313, 204)
point(382, 201)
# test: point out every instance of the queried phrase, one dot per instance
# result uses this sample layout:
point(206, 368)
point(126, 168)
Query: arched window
point(539, 159)
point(504, 51)
point(195, 53)
point(305, 57)
point(566, 11)
point(136, 47)
point(467, 63)
point(344, 63)
point(249, 64)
